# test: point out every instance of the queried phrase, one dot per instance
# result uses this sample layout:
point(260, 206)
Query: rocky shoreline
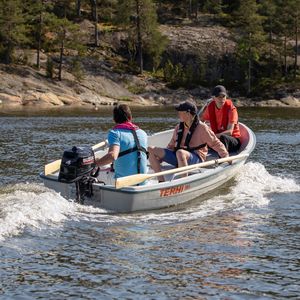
point(107, 80)
point(23, 86)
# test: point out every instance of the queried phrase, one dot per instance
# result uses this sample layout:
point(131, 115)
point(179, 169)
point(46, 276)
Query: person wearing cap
point(222, 117)
point(189, 143)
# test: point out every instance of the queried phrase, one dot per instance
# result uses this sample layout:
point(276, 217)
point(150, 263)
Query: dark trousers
point(231, 143)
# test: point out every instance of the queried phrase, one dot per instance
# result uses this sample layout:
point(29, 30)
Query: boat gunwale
point(180, 181)
point(158, 186)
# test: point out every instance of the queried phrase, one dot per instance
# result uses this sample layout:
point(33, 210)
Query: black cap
point(187, 106)
point(219, 90)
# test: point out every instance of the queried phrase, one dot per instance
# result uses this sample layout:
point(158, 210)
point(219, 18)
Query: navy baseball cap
point(187, 106)
point(219, 90)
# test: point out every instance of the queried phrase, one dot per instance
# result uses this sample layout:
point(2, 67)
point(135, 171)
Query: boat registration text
point(174, 190)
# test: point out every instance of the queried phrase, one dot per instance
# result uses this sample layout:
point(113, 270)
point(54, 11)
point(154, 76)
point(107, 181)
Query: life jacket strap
point(137, 148)
point(189, 135)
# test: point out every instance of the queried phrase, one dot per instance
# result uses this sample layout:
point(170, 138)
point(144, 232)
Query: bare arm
point(111, 156)
point(228, 131)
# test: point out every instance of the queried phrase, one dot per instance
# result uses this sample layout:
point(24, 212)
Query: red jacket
point(229, 115)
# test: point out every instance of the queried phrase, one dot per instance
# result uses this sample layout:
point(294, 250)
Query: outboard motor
point(78, 165)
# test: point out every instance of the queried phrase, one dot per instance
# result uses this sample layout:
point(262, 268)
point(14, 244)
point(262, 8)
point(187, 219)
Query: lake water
point(241, 241)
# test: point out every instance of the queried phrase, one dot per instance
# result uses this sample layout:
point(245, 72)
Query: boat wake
point(34, 207)
point(31, 206)
point(255, 184)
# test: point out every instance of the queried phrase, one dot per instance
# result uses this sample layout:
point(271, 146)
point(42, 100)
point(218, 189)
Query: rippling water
point(239, 242)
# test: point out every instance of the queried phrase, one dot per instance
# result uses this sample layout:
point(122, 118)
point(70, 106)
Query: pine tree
point(13, 28)
point(39, 12)
point(250, 36)
point(78, 8)
point(297, 32)
point(66, 34)
point(139, 20)
point(287, 20)
point(213, 6)
point(268, 10)
point(94, 7)
point(294, 6)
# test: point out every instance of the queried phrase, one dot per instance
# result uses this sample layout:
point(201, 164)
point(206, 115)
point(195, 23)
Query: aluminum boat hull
point(154, 195)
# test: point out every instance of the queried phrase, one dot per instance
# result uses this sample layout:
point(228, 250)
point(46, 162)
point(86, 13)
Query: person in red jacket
point(222, 116)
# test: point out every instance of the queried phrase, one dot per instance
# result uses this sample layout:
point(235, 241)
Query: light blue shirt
point(127, 164)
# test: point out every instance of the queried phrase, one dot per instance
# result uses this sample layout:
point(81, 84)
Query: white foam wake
point(34, 206)
point(254, 184)
point(31, 206)
point(251, 189)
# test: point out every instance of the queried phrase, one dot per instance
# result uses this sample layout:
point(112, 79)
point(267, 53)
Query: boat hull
point(162, 195)
point(156, 195)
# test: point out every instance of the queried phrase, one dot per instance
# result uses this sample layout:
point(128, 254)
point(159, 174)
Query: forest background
point(149, 52)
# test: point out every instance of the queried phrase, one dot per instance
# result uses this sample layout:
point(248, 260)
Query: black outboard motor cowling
point(78, 165)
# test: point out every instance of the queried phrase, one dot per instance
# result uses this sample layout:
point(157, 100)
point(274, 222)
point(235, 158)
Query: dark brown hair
point(122, 113)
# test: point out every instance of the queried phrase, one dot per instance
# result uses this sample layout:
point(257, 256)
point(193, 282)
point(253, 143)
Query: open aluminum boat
point(201, 179)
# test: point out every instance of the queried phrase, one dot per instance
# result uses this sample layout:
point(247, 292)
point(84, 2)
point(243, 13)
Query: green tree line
point(266, 33)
